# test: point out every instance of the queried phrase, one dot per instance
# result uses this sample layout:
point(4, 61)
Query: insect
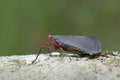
point(78, 44)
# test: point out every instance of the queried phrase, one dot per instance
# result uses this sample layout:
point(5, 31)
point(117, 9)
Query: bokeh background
point(25, 24)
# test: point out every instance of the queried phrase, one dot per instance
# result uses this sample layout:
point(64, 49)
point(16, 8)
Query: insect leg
point(62, 50)
point(37, 55)
point(48, 44)
point(65, 53)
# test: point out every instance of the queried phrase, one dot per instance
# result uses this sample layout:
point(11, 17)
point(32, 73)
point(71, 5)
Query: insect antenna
point(37, 55)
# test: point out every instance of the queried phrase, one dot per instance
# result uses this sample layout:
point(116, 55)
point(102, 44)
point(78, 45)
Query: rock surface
point(60, 68)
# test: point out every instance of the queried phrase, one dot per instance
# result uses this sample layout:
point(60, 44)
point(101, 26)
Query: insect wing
point(88, 44)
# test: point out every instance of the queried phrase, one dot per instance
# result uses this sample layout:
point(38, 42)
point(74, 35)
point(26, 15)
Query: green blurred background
point(25, 24)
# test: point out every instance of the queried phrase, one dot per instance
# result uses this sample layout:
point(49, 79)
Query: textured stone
point(59, 68)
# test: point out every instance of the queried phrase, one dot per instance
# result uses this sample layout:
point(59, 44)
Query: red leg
point(49, 47)
point(54, 46)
